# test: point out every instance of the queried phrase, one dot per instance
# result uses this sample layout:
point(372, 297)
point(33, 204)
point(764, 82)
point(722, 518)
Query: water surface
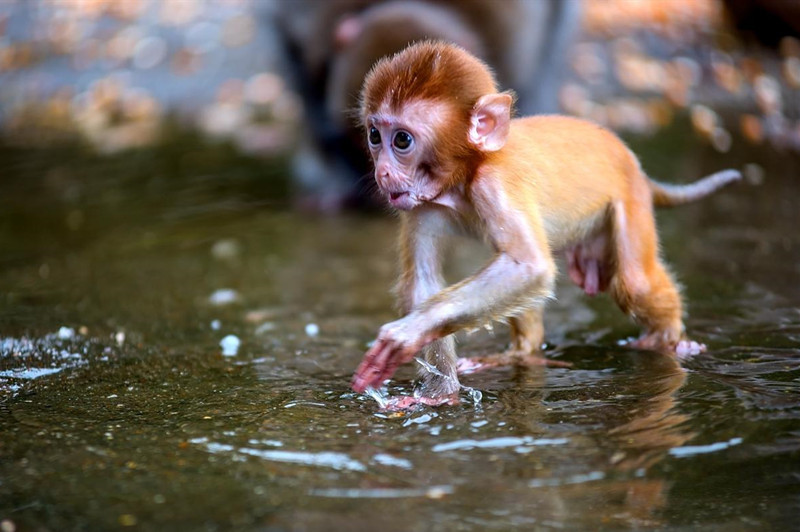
point(119, 278)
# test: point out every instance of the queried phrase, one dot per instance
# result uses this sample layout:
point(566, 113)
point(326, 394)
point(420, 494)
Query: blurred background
point(265, 78)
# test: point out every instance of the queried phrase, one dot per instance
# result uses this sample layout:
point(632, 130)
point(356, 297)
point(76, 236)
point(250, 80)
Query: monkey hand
point(397, 343)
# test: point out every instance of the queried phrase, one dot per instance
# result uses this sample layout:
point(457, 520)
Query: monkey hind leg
point(527, 337)
point(527, 331)
point(642, 286)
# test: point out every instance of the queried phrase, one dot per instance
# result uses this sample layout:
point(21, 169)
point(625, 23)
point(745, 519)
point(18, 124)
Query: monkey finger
point(373, 353)
point(387, 364)
point(365, 378)
point(361, 379)
point(363, 367)
point(371, 367)
point(360, 382)
point(390, 369)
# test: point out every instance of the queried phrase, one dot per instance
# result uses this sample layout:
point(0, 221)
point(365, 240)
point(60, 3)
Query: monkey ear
point(490, 121)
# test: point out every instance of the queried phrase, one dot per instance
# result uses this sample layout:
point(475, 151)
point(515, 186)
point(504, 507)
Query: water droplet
point(230, 345)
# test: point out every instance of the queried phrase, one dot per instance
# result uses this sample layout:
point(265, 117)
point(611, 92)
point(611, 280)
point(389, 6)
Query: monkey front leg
point(504, 287)
point(422, 235)
point(421, 241)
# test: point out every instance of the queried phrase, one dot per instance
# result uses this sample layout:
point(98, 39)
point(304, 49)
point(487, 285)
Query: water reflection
point(151, 425)
point(616, 423)
point(655, 423)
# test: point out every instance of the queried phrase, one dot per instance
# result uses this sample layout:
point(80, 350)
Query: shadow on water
point(121, 276)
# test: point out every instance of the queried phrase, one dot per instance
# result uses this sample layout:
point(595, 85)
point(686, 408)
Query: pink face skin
point(398, 143)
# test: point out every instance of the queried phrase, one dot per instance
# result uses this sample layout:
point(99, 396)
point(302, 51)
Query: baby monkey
point(448, 156)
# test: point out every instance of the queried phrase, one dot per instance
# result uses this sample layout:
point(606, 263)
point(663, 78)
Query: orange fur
point(533, 187)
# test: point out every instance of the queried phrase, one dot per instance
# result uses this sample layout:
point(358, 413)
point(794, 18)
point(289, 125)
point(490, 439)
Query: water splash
point(381, 396)
point(475, 395)
point(430, 368)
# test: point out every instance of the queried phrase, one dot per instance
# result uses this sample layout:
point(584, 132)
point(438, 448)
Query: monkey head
point(432, 114)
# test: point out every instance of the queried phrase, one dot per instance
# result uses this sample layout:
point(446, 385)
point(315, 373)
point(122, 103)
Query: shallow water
point(118, 408)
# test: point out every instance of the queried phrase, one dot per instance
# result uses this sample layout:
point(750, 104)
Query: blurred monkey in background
point(330, 45)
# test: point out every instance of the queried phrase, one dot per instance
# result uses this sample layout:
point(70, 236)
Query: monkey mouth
point(401, 200)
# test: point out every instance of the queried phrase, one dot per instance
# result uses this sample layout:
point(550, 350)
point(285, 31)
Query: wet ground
point(119, 278)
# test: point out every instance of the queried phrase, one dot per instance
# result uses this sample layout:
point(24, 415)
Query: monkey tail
point(668, 195)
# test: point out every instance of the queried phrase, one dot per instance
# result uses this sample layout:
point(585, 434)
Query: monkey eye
point(374, 136)
point(402, 140)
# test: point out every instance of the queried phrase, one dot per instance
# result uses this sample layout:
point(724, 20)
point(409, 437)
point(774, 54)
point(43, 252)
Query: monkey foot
point(687, 348)
point(407, 402)
point(465, 366)
point(684, 348)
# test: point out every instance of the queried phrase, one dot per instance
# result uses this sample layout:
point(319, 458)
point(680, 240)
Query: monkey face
point(401, 144)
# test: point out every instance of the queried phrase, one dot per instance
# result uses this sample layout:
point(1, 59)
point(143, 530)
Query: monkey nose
point(383, 178)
